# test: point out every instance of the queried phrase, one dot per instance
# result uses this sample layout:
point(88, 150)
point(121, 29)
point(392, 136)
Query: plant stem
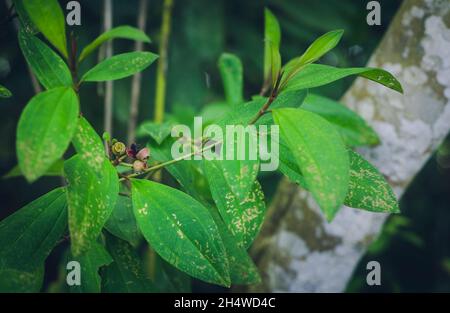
point(160, 95)
point(136, 84)
point(162, 165)
point(107, 25)
point(266, 106)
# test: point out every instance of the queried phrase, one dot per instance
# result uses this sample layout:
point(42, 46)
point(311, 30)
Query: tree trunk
point(297, 250)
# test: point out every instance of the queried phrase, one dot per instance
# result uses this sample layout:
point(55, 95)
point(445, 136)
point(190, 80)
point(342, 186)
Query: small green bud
point(106, 137)
point(118, 148)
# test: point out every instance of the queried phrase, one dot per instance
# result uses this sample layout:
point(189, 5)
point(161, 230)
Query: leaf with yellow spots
point(181, 230)
point(243, 217)
point(90, 263)
point(28, 236)
point(91, 200)
point(89, 146)
point(368, 189)
point(320, 154)
point(120, 66)
point(45, 129)
point(126, 273)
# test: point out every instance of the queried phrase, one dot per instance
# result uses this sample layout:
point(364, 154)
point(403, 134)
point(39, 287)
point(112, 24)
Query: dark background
point(413, 249)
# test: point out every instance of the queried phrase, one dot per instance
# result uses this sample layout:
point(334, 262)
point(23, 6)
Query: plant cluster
point(205, 227)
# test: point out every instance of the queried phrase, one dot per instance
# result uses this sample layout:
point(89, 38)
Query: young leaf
point(242, 269)
point(45, 129)
point(157, 132)
point(89, 146)
point(230, 67)
point(315, 51)
point(181, 231)
point(315, 75)
point(353, 129)
point(47, 65)
point(28, 236)
point(123, 32)
point(90, 263)
point(122, 222)
point(4, 92)
point(243, 217)
point(126, 272)
point(48, 17)
point(15, 281)
point(91, 200)
point(320, 155)
point(120, 66)
point(56, 169)
point(25, 21)
point(368, 189)
point(272, 38)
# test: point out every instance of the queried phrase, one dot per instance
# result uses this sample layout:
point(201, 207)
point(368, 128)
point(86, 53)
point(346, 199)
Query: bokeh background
point(413, 248)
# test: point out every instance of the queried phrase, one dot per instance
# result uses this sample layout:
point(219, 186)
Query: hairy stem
point(136, 84)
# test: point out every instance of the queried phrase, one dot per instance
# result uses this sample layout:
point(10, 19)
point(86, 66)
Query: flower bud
point(118, 148)
point(143, 154)
point(139, 166)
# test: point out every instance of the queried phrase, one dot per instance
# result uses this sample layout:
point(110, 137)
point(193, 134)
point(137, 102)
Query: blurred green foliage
point(412, 249)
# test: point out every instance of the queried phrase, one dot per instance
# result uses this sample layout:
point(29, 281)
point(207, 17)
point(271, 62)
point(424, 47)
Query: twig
point(136, 84)
point(107, 25)
point(162, 165)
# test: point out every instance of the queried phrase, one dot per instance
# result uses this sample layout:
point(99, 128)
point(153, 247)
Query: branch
point(136, 84)
point(108, 104)
point(160, 96)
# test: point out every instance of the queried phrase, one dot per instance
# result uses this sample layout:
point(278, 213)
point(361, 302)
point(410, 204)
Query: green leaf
point(28, 236)
point(213, 112)
point(47, 65)
point(91, 200)
point(315, 75)
point(123, 32)
point(126, 272)
point(122, 222)
point(48, 17)
point(89, 146)
point(368, 189)
point(243, 217)
point(272, 38)
point(288, 164)
point(45, 129)
point(230, 67)
point(315, 51)
point(180, 230)
point(25, 20)
point(156, 131)
point(90, 263)
point(242, 269)
point(120, 66)
point(4, 92)
point(353, 129)
point(167, 277)
point(56, 169)
point(320, 154)
point(15, 281)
